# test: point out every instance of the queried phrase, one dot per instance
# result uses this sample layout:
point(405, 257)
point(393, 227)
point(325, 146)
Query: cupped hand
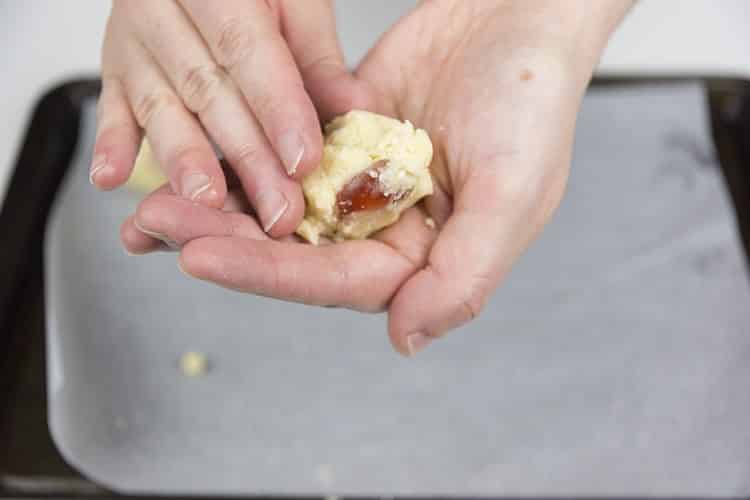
point(251, 75)
point(497, 85)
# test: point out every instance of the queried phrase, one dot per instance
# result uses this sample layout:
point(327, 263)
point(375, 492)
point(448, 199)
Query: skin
point(256, 76)
point(497, 85)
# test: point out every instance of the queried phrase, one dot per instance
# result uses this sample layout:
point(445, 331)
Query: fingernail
point(271, 205)
point(415, 342)
point(159, 236)
point(182, 269)
point(291, 149)
point(98, 163)
point(195, 183)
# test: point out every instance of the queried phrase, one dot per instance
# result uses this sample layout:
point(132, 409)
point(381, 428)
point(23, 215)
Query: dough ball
point(373, 168)
point(193, 364)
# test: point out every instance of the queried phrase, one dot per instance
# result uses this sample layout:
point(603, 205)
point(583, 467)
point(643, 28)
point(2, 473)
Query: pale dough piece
point(193, 364)
point(147, 175)
point(394, 154)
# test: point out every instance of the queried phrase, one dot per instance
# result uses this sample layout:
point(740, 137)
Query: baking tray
point(29, 214)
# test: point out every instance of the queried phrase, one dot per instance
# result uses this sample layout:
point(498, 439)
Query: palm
point(489, 110)
point(414, 68)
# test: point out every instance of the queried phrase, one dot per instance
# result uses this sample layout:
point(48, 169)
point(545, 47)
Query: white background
point(43, 42)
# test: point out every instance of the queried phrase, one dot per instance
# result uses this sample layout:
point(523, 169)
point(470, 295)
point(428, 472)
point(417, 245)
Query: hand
point(247, 73)
point(497, 85)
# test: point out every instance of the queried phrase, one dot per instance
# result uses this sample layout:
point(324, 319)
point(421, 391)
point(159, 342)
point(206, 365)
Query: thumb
point(494, 219)
point(310, 31)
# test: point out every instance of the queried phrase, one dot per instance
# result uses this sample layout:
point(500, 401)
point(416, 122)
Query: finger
point(117, 137)
point(179, 144)
point(491, 225)
point(245, 40)
point(207, 91)
point(412, 236)
point(361, 275)
point(135, 241)
point(139, 239)
point(177, 221)
point(310, 30)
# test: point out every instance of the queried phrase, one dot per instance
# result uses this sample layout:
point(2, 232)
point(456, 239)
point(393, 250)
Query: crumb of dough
point(373, 168)
point(147, 175)
point(430, 222)
point(193, 364)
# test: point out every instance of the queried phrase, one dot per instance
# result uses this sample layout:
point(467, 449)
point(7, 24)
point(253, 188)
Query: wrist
point(595, 22)
point(581, 28)
point(574, 31)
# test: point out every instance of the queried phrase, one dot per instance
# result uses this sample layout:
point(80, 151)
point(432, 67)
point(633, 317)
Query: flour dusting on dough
point(360, 145)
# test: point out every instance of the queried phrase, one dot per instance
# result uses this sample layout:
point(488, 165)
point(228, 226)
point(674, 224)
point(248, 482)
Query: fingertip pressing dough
point(373, 168)
point(147, 175)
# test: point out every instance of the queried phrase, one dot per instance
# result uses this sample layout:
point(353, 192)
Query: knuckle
point(147, 215)
point(343, 275)
point(246, 155)
point(235, 42)
point(199, 86)
point(148, 106)
point(183, 157)
point(346, 293)
point(533, 190)
point(266, 106)
point(470, 299)
point(513, 187)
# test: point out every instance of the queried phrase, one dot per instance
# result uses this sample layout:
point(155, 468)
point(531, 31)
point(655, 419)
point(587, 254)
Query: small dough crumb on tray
point(193, 364)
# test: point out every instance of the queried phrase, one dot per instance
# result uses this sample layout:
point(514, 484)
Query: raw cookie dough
point(147, 175)
point(373, 168)
point(193, 364)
